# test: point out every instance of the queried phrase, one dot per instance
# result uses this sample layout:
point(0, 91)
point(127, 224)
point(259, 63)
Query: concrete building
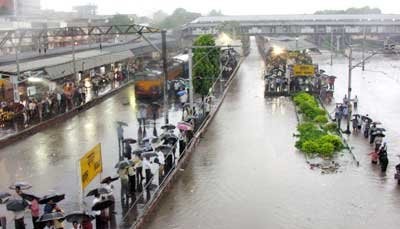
point(27, 7)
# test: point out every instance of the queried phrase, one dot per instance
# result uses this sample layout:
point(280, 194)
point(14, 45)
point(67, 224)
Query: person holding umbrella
point(383, 159)
point(110, 196)
point(148, 175)
point(17, 207)
point(97, 214)
point(35, 212)
point(75, 225)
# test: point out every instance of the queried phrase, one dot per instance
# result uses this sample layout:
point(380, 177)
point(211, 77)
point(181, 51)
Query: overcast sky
point(147, 7)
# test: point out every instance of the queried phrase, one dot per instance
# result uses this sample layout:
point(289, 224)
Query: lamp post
point(74, 43)
point(165, 69)
point(349, 88)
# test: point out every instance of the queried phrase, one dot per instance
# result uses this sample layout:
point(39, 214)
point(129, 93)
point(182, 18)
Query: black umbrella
point(98, 191)
point(16, 205)
point(138, 151)
point(164, 148)
point(122, 123)
point(123, 164)
point(109, 180)
point(149, 154)
point(171, 139)
point(155, 104)
point(102, 205)
point(168, 127)
point(129, 140)
point(29, 197)
point(380, 129)
point(78, 217)
point(54, 197)
point(22, 185)
point(51, 216)
point(4, 195)
point(378, 134)
point(366, 118)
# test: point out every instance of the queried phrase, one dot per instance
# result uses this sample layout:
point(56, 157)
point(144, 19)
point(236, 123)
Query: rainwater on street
point(246, 172)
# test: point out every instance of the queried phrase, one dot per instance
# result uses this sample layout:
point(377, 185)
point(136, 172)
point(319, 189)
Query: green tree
point(206, 64)
point(231, 28)
point(120, 19)
point(178, 18)
point(159, 16)
point(353, 10)
point(214, 12)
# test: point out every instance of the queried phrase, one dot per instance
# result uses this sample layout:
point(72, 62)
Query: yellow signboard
point(303, 70)
point(91, 165)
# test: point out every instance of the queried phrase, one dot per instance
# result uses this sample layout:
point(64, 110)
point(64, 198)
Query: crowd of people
point(34, 109)
point(148, 160)
point(370, 129)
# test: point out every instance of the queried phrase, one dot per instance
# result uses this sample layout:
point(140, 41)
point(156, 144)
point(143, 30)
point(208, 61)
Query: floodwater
point(49, 159)
point(246, 172)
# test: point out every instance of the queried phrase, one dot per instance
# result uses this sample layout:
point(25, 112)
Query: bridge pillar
point(337, 43)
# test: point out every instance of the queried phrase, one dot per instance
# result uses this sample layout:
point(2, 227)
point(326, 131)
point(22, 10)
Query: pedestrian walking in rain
point(110, 196)
point(97, 214)
point(355, 102)
point(372, 134)
point(161, 160)
point(124, 178)
point(374, 157)
point(86, 224)
point(3, 219)
point(128, 151)
point(139, 173)
point(345, 112)
point(345, 100)
point(148, 175)
point(155, 171)
point(19, 219)
point(58, 224)
point(132, 180)
point(338, 116)
point(383, 159)
point(75, 225)
point(35, 212)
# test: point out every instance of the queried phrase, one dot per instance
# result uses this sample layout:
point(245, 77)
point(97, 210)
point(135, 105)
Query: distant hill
point(361, 10)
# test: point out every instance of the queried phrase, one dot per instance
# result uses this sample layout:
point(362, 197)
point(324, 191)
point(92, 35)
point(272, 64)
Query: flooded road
point(49, 159)
point(246, 172)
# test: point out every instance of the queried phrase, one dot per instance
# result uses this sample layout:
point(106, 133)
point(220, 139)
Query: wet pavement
point(246, 172)
point(49, 159)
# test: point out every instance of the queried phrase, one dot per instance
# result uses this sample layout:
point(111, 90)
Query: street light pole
point(73, 58)
point(165, 68)
point(363, 49)
point(191, 89)
point(349, 88)
point(15, 79)
point(331, 46)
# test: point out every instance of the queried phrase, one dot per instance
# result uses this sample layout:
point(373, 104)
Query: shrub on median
point(315, 134)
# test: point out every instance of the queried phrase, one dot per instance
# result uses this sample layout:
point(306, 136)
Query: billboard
point(7, 7)
point(91, 165)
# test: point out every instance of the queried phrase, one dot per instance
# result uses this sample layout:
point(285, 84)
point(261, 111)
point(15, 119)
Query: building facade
point(27, 7)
